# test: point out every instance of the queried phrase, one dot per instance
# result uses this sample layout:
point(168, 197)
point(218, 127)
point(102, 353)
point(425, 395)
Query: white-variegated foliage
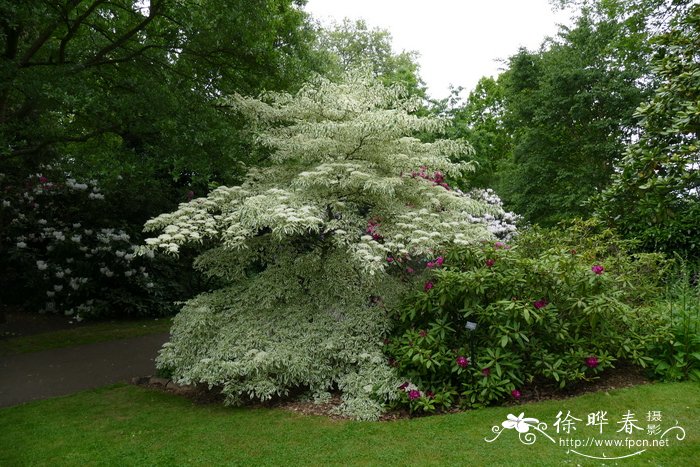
point(310, 285)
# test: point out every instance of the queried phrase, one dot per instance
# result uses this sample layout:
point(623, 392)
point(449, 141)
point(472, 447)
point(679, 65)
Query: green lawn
point(125, 425)
point(87, 334)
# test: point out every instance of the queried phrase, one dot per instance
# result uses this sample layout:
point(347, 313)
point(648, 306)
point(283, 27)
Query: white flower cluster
point(67, 254)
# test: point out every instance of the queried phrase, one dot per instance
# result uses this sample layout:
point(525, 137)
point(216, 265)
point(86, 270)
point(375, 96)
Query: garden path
point(57, 372)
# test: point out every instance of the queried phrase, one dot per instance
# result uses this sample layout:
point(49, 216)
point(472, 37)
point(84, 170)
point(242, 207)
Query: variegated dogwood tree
point(319, 244)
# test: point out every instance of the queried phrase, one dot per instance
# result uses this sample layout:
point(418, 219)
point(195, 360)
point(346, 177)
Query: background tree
point(569, 109)
point(128, 94)
point(353, 44)
point(655, 197)
point(480, 120)
point(137, 82)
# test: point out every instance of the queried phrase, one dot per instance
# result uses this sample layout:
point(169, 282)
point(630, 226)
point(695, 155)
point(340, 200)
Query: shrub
point(317, 245)
point(545, 312)
point(68, 252)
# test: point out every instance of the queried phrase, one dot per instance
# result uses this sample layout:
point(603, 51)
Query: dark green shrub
point(545, 313)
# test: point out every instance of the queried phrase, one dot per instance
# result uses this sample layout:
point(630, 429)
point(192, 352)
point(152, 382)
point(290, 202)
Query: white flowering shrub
point(62, 255)
point(318, 244)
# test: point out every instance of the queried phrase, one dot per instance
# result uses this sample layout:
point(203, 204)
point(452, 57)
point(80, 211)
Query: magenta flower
point(486, 372)
point(404, 385)
point(499, 245)
point(490, 262)
point(516, 394)
point(413, 394)
point(389, 259)
point(423, 333)
point(462, 361)
point(410, 270)
point(430, 265)
point(592, 362)
point(43, 179)
point(598, 269)
point(439, 261)
point(428, 285)
point(541, 303)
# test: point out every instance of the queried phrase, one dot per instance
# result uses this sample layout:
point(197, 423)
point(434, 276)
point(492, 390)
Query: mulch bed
point(617, 378)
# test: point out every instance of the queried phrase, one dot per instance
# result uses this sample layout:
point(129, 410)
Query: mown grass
point(125, 425)
point(86, 334)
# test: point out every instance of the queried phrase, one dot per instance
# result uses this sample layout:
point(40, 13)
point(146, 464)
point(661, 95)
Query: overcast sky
point(459, 41)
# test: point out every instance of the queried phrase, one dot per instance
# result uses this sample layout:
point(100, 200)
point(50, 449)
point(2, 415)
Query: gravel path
point(58, 372)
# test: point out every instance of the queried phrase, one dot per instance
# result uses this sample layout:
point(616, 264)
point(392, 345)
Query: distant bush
point(69, 252)
point(555, 307)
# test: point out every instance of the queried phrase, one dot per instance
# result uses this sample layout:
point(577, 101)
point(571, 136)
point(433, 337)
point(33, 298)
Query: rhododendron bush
point(501, 319)
point(66, 255)
point(318, 244)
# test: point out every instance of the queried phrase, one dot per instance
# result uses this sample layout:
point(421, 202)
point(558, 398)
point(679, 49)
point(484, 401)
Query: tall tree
point(480, 120)
point(353, 44)
point(107, 80)
point(655, 196)
point(569, 109)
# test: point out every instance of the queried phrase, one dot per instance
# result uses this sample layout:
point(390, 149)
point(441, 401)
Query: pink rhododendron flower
point(598, 269)
point(428, 285)
point(389, 259)
point(462, 361)
point(541, 303)
point(490, 262)
point(413, 394)
point(439, 261)
point(592, 362)
point(430, 265)
point(515, 393)
point(499, 245)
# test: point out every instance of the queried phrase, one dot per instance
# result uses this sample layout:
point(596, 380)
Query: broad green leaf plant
point(315, 246)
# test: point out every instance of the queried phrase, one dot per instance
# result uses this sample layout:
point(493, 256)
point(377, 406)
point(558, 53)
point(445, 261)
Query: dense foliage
point(318, 245)
point(65, 253)
point(655, 197)
point(127, 94)
point(555, 308)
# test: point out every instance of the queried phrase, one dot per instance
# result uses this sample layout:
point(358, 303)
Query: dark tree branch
point(73, 28)
point(65, 139)
point(44, 36)
point(155, 7)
